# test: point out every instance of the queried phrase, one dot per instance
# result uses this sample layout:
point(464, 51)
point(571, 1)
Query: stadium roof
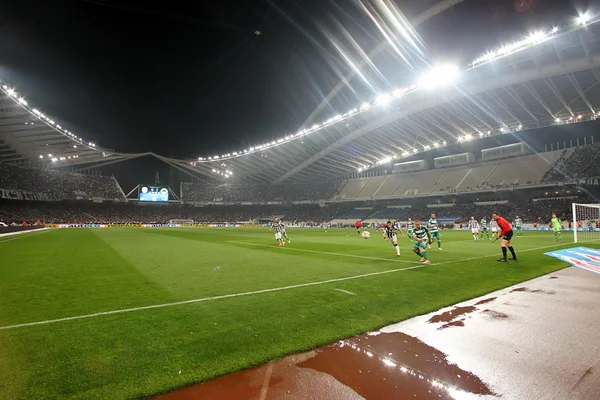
point(549, 77)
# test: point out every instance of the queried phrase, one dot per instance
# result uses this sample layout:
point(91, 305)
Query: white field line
point(227, 296)
point(326, 252)
point(26, 234)
point(345, 291)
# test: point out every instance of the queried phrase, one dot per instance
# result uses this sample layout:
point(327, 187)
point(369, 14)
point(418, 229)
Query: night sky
point(191, 79)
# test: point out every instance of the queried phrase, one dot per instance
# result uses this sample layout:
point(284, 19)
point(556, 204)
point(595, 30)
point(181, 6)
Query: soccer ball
point(366, 235)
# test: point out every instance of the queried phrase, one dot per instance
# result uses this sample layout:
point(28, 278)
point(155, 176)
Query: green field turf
point(76, 272)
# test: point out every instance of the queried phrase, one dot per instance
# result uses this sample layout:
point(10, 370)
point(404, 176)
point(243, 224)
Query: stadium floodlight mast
point(443, 75)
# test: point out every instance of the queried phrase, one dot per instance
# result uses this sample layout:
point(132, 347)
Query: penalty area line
point(326, 252)
point(227, 296)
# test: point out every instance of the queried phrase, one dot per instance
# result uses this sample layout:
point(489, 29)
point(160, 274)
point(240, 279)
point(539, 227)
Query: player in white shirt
point(494, 226)
point(474, 226)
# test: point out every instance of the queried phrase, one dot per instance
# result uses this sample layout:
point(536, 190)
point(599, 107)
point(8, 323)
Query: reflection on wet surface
point(383, 366)
point(394, 366)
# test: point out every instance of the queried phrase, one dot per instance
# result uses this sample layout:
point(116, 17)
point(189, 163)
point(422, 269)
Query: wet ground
point(538, 340)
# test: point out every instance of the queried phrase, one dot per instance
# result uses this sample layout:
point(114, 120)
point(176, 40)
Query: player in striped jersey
point(422, 236)
point(484, 228)
point(518, 223)
point(410, 227)
point(494, 226)
point(278, 228)
point(434, 230)
point(474, 226)
point(390, 233)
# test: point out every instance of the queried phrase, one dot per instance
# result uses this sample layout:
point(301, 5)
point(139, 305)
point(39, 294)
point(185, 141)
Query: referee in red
point(506, 233)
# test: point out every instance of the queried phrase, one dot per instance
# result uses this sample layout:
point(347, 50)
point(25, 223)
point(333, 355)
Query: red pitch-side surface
point(538, 340)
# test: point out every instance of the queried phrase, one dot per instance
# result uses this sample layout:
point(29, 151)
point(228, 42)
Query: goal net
point(586, 222)
point(182, 222)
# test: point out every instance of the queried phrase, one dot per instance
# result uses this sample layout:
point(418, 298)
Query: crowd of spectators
point(581, 163)
point(58, 185)
point(126, 213)
point(259, 193)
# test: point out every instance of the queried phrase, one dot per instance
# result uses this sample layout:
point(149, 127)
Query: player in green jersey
point(484, 228)
point(422, 236)
point(556, 227)
point(518, 227)
point(434, 229)
point(410, 227)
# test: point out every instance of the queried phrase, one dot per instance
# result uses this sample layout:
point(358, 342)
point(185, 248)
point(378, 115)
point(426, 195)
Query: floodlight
point(440, 76)
point(583, 18)
point(383, 99)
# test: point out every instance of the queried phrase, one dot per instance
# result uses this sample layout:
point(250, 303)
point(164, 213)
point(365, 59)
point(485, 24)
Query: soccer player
point(556, 227)
point(484, 228)
point(434, 230)
point(494, 226)
point(506, 233)
point(422, 236)
point(390, 233)
point(277, 227)
point(284, 233)
point(518, 223)
point(358, 225)
point(410, 227)
point(474, 226)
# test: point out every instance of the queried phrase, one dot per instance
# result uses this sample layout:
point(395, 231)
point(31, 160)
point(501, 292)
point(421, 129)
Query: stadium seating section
point(347, 201)
point(61, 185)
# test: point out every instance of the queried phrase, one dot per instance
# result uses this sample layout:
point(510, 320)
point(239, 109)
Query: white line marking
point(326, 252)
point(227, 296)
point(345, 291)
point(31, 233)
point(265, 386)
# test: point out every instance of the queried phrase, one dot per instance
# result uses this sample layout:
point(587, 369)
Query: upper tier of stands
point(582, 162)
point(523, 171)
point(198, 192)
point(58, 184)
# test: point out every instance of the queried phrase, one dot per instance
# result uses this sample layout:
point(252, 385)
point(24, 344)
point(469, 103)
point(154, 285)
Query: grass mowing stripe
point(325, 252)
point(227, 296)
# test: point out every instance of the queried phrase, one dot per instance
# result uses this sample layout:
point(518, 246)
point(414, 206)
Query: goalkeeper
point(556, 227)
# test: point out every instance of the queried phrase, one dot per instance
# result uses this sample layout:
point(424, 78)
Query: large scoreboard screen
point(154, 193)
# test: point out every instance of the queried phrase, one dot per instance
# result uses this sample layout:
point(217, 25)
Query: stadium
point(267, 272)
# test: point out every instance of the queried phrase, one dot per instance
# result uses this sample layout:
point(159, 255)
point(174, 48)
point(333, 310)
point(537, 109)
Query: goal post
point(586, 222)
point(182, 222)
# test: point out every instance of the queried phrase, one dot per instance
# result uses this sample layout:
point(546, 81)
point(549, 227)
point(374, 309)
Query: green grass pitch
point(68, 273)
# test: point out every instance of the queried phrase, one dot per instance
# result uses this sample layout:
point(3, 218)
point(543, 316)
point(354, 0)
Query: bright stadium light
point(442, 75)
point(557, 120)
point(383, 99)
point(41, 156)
point(583, 18)
point(11, 92)
point(22, 101)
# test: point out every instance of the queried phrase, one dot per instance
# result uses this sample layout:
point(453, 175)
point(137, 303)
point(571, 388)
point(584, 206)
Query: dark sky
point(190, 78)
